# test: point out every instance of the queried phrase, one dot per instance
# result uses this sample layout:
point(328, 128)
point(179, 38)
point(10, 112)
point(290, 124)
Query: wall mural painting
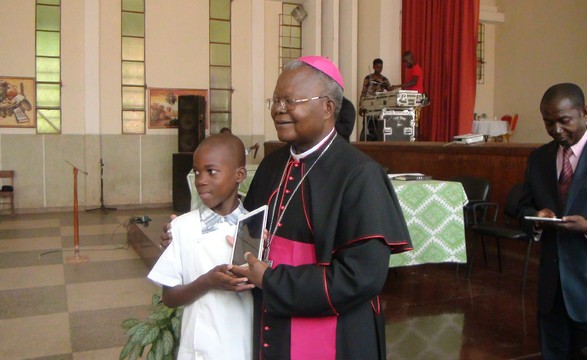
point(163, 106)
point(17, 102)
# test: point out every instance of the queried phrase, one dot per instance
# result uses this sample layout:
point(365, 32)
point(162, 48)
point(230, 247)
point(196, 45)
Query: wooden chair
point(7, 190)
point(512, 123)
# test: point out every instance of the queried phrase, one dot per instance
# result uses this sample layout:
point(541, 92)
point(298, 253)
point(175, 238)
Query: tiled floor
point(433, 312)
point(53, 309)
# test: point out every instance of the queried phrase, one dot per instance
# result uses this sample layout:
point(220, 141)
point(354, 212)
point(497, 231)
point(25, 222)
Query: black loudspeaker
point(191, 113)
point(182, 164)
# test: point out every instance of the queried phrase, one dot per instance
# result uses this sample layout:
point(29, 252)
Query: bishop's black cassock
point(330, 252)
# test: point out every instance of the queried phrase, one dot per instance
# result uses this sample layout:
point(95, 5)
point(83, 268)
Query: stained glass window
point(133, 67)
point(220, 65)
point(48, 66)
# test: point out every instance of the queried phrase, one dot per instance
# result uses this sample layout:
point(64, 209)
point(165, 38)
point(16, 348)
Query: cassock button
point(266, 328)
point(291, 178)
point(296, 164)
point(287, 191)
point(280, 224)
point(265, 345)
point(282, 207)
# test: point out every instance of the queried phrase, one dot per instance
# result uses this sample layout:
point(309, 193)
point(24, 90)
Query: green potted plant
point(160, 332)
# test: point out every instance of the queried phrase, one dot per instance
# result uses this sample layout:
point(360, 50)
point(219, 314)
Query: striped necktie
point(566, 176)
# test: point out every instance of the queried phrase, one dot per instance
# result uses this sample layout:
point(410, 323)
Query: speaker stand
point(102, 207)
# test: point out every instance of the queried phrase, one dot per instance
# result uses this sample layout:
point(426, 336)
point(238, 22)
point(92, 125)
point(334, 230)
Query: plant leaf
point(151, 355)
point(128, 323)
point(157, 316)
point(150, 336)
point(179, 312)
point(176, 327)
point(167, 342)
point(126, 350)
point(156, 299)
point(140, 333)
point(158, 350)
point(135, 354)
point(133, 330)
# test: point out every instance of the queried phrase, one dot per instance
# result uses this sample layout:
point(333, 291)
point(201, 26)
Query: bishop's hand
point(254, 272)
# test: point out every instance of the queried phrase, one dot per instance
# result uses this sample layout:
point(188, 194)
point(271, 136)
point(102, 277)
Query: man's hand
point(543, 224)
point(574, 223)
point(254, 272)
point(166, 237)
point(221, 278)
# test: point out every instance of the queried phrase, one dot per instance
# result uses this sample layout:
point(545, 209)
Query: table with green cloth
point(434, 213)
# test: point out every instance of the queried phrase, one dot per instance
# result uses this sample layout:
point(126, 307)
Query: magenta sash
point(311, 338)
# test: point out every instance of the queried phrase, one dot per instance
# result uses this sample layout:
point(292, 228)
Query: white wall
point(17, 62)
point(271, 56)
point(527, 58)
point(137, 168)
point(379, 36)
point(539, 44)
point(485, 95)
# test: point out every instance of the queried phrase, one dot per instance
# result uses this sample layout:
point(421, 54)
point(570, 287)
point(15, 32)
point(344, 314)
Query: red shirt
point(415, 70)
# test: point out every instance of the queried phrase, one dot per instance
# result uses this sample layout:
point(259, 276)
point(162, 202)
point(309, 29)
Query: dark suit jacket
point(563, 253)
point(345, 122)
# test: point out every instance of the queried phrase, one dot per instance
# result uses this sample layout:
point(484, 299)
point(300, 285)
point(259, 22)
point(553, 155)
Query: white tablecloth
point(490, 127)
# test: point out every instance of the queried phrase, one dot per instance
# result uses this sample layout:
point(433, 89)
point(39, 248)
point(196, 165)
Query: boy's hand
point(221, 278)
point(166, 237)
point(254, 272)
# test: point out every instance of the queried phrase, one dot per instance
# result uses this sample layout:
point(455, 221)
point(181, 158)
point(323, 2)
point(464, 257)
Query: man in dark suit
point(556, 186)
point(345, 122)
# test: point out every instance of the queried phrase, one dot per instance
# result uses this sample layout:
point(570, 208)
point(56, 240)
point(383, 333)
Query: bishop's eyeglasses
point(289, 104)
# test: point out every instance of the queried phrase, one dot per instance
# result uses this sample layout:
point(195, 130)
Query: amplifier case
point(408, 98)
point(399, 125)
point(392, 99)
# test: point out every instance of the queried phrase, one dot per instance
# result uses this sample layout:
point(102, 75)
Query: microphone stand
point(102, 207)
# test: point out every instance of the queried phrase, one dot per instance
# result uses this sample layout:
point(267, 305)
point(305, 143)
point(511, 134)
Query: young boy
point(217, 319)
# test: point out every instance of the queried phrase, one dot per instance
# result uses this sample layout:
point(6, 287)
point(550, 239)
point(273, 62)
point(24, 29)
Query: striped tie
point(566, 176)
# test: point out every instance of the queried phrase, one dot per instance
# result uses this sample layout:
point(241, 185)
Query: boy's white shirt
point(217, 325)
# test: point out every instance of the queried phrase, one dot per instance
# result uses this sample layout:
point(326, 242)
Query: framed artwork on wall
point(163, 109)
point(17, 102)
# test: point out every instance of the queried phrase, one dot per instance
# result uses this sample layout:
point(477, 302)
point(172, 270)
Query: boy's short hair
point(230, 141)
point(377, 61)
